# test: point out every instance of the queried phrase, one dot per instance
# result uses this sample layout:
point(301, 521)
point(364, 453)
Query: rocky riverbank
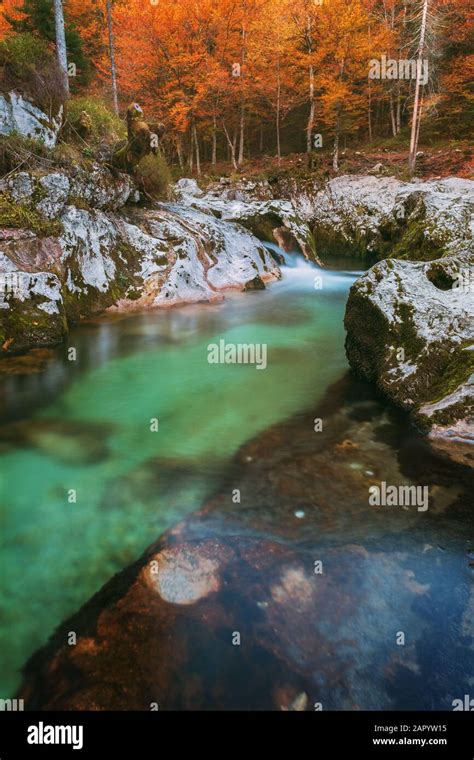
point(409, 324)
point(370, 216)
point(76, 243)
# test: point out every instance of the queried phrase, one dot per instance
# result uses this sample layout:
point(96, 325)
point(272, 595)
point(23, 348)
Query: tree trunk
point(242, 99)
point(369, 108)
point(214, 139)
point(179, 151)
point(419, 121)
point(278, 111)
point(392, 116)
point(242, 128)
point(231, 144)
point(113, 68)
point(335, 155)
point(415, 131)
point(369, 113)
point(191, 152)
point(196, 145)
point(61, 50)
point(399, 110)
point(309, 127)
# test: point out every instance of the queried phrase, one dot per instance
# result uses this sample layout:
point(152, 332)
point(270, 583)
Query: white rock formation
point(262, 217)
point(374, 210)
point(19, 115)
point(106, 257)
point(410, 328)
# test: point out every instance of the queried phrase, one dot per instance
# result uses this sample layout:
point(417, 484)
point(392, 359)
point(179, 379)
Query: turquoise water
point(86, 482)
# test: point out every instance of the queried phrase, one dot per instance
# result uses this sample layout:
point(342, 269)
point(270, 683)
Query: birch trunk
point(392, 117)
point(196, 146)
point(416, 105)
point(242, 100)
point(61, 50)
point(113, 68)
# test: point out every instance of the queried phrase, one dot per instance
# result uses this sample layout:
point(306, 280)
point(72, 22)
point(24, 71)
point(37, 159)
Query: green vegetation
point(23, 52)
point(104, 123)
point(154, 176)
point(21, 216)
point(37, 21)
point(28, 65)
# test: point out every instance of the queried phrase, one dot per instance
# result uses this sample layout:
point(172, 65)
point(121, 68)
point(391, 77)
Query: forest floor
point(454, 159)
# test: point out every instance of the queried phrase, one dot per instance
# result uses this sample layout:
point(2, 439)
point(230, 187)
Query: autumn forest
point(235, 79)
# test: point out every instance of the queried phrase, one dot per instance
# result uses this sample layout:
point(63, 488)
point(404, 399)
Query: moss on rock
point(22, 216)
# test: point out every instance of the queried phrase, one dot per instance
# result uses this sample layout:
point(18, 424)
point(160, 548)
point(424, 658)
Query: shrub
point(18, 151)
point(22, 51)
point(29, 66)
point(154, 176)
point(106, 125)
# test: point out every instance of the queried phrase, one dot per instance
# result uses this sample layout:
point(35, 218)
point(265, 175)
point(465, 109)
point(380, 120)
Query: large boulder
point(20, 116)
point(382, 217)
point(410, 329)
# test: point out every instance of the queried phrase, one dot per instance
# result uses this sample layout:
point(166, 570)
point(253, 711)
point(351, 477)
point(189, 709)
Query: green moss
point(415, 244)
point(456, 370)
point(20, 216)
point(39, 193)
point(411, 341)
point(78, 202)
point(262, 225)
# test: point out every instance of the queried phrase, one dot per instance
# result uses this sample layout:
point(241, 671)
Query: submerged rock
point(250, 606)
point(239, 623)
point(410, 329)
point(71, 442)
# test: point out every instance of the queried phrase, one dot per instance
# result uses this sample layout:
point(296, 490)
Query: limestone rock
point(264, 218)
point(31, 310)
point(108, 256)
point(22, 117)
point(410, 329)
point(386, 217)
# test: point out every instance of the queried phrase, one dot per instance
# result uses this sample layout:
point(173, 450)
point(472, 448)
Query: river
point(117, 440)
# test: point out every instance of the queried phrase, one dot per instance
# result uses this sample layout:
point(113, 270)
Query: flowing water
point(108, 446)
